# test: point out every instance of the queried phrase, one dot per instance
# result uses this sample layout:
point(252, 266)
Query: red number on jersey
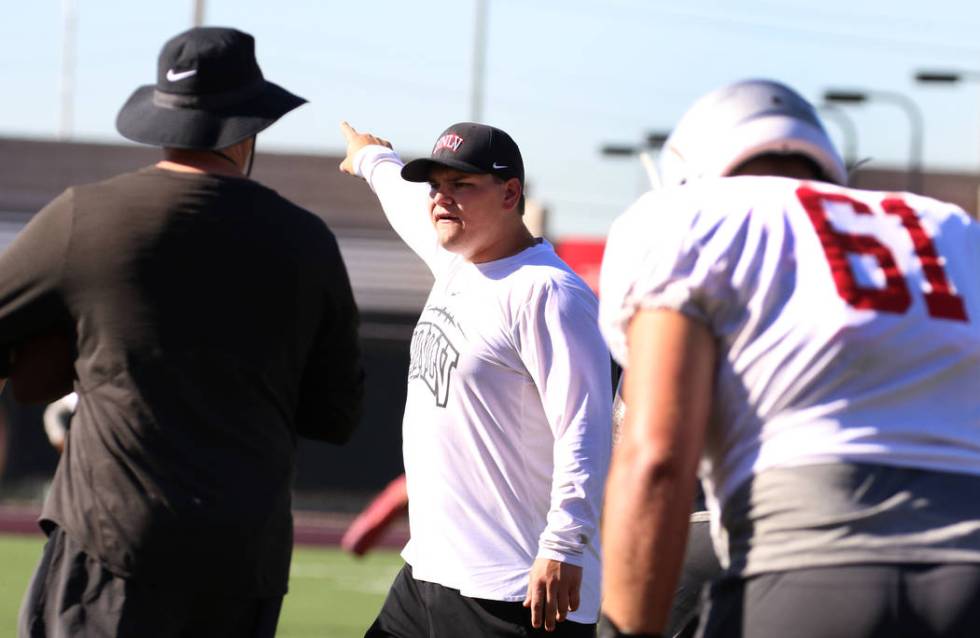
point(941, 302)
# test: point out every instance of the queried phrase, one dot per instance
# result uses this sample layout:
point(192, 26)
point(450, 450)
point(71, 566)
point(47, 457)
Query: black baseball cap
point(471, 148)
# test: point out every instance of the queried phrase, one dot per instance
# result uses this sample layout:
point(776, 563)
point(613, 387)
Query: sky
point(564, 77)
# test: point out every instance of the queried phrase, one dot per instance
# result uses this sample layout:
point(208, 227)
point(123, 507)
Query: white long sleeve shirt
point(506, 434)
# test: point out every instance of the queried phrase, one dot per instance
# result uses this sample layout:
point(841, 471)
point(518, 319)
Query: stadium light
point(657, 139)
point(619, 150)
point(916, 125)
point(845, 97)
point(653, 141)
point(936, 77)
point(946, 76)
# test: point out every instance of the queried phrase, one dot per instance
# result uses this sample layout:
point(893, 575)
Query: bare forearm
point(648, 501)
point(653, 476)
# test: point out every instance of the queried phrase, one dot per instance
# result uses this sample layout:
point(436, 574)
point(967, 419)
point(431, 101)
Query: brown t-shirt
point(214, 321)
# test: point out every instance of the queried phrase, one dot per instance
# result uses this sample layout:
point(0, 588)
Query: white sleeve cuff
point(368, 158)
point(570, 559)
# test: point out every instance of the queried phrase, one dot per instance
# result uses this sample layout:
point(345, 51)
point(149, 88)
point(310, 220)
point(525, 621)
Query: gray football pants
point(860, 601)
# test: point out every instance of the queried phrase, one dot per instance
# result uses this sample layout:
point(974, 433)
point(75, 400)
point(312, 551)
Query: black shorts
point(854, 601)
point(418, 609)
point(72, 594)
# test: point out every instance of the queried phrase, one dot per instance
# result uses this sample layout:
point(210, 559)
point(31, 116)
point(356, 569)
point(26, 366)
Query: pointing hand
point(355, 142)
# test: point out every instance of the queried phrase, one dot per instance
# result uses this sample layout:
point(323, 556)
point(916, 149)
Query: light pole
point(652, 143)
point(197, 19)
point(70, 26)
point(479, 61)
point(913, 112)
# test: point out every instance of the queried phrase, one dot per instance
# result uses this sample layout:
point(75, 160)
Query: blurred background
point(588, 89)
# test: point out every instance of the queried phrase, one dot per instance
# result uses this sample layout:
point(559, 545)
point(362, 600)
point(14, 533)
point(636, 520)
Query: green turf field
point(331, 595)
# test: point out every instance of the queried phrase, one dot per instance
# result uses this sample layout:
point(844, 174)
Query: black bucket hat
point(210, 94)
point(471, 148)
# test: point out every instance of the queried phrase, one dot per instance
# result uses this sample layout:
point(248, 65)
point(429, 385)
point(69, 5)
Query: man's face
point(473, 214)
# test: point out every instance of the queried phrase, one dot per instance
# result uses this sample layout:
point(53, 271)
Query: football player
point(817, 348)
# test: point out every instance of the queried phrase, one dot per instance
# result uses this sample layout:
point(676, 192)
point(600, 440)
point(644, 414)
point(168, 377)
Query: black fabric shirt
point(214, 321)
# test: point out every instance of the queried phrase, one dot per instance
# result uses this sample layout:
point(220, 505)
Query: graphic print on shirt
point(433, 357)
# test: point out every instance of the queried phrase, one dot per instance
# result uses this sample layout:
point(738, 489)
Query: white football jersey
point(847, 321)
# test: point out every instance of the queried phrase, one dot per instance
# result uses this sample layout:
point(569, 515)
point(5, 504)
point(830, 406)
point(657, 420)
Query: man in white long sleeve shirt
point(506, 433)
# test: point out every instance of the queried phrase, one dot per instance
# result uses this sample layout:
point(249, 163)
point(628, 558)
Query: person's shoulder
point(948, 224)
point(540, 262)
point(288, 211)
point(148, 181)
point(665, 232)
point(311, 229)
point(290, 207)
point(677, 209)
point(78, 196)
point(127, 179)
point(937, 208)
point(923, 206)
point(665, 219)
point(756, 194)
point(545, 274)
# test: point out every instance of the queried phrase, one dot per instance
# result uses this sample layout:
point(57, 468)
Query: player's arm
point(405, 203)
point(332, 387)
point(652, 480)
point(36, 338)
point(565, 355)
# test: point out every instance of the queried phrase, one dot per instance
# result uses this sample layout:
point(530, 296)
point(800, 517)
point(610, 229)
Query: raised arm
point(405, 204)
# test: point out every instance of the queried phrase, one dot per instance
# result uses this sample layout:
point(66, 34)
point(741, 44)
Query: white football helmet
point(733, 124)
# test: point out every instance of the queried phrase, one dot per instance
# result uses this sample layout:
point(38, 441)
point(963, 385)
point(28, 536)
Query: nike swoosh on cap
point(177, 76)
point(497, 166)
